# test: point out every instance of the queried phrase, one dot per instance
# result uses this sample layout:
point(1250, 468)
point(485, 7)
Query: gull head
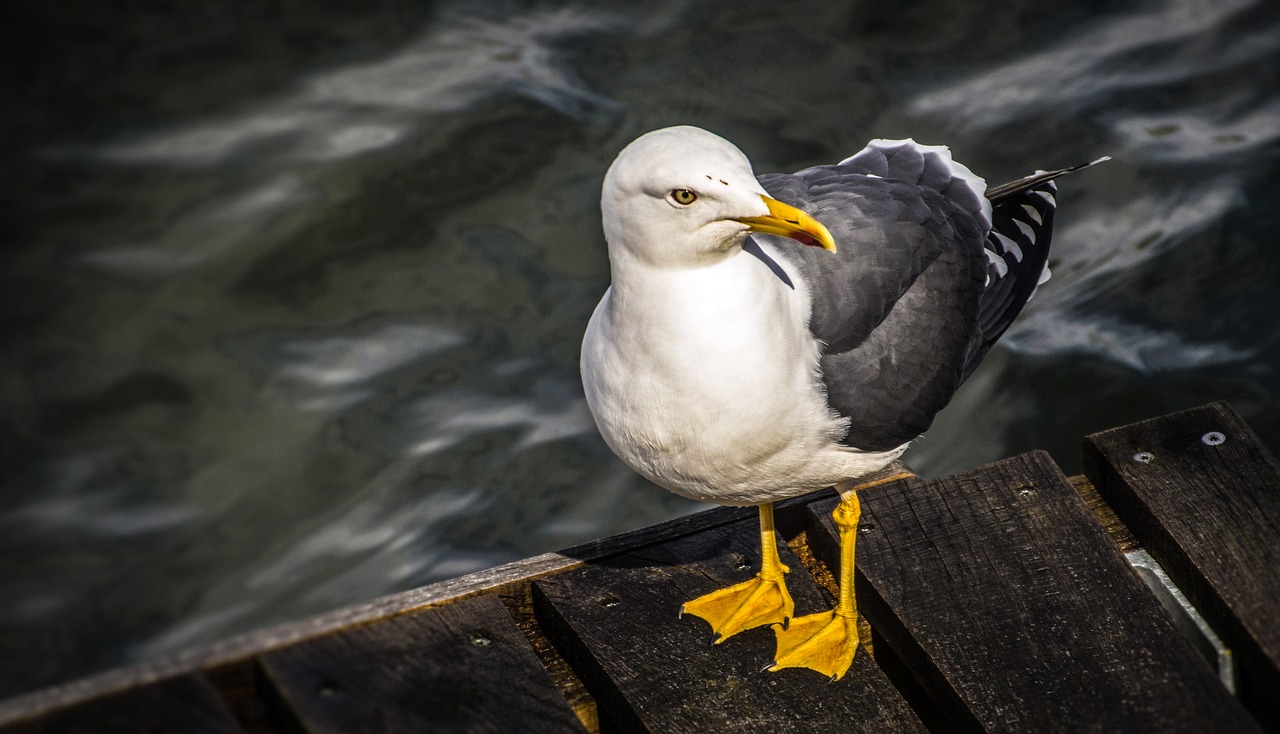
point(684, 196)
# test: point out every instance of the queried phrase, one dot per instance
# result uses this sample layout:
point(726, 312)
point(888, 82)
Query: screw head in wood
point(1213, 438)
point(1143, 457)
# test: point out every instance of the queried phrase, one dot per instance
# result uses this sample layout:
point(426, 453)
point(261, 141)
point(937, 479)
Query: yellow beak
point(789, 221)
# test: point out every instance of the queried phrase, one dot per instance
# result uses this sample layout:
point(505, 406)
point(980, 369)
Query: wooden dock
point(1007, 598)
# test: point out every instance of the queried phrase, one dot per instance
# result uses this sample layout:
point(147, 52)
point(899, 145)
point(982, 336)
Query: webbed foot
point(825, 642)
point(755, 602)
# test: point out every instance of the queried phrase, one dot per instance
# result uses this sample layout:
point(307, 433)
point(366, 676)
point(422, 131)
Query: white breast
point(704, 380)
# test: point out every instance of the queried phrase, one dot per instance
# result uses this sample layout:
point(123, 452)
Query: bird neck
point(625, 258)
point(711, 286)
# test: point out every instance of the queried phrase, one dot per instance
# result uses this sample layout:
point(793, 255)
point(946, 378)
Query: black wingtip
point(1004, 191)
point(1082, 166)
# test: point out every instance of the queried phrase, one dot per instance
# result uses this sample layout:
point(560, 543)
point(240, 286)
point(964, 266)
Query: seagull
point(765, 337)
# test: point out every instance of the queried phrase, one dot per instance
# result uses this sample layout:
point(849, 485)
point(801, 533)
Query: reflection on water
point(293, 305)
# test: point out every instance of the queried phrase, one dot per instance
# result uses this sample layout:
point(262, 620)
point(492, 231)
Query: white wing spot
point(1027, 231)
point(1033, 213)
point(1002, 267)
point(1047, 197)
point(1010, 247)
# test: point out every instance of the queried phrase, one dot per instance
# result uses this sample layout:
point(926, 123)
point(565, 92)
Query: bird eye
point(683, 197)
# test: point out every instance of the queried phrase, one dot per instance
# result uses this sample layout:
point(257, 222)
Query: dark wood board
point(183, 704)
point(463, 667)
point(236, 654)
point(1203, 496)
point(239, 649)
point(1010, 604)
point(616, 621)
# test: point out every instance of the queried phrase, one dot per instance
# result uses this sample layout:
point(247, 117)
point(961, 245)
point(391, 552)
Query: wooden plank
point(1203, 496)
point(242, 647)
point(1012, 607)
point(185, 703)
point(616, 622)
point(464, 667)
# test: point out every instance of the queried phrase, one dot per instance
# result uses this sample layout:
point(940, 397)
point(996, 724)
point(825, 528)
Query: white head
point(682, 195)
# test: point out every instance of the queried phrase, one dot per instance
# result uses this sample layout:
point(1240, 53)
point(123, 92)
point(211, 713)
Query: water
point(293, 297)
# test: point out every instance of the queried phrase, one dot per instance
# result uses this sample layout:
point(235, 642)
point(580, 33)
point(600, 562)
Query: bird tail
point(1017, 252)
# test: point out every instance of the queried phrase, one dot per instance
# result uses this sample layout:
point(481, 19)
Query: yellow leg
point(761, 600)
point(827, 641)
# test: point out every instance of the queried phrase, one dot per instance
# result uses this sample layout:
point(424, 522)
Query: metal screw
point(742, 563)
point(479, 640)
point(1213, 438)
point(610, 601)
point(1143, 457)
point(867, 527)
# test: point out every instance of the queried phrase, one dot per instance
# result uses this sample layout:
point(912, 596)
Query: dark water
point(293, 294)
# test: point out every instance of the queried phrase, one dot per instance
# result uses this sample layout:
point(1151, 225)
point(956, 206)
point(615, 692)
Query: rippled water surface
point(293, 295)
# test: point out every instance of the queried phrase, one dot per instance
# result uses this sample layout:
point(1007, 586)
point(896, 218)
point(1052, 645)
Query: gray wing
point(898, 306)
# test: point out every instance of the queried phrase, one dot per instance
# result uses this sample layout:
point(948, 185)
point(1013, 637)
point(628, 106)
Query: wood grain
point(1006, 599)
point(1203, 496)
point(460, 668)
point(499, 579)
point(616, 621)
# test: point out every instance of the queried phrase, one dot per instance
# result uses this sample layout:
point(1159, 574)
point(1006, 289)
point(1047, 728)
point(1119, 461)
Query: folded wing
point(931, 269)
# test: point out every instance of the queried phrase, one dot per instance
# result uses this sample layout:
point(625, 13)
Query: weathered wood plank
point(241, 647)
point(186, 703)
point(1010, 604)
point(615, 620)
point(464, 667)
point(1203, 496)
